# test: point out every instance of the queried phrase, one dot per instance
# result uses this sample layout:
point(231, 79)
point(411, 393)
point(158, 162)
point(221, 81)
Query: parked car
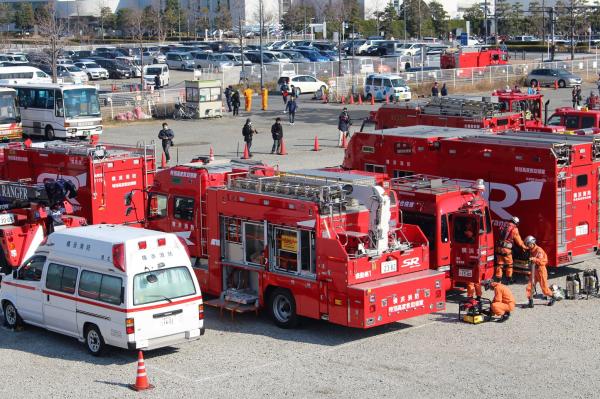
point(303, 83)
point(150, 72)
point(214, 61)
point(313, 56)
point(330, 54)
point(382, 86)
point(268, 58)
point(71, 73)
point(547, 77)
point(93, 70)
point(295, 56)
point(183, 61)
point(237, 59)
point(115, 68)
point(149, 57)
point(133, 64)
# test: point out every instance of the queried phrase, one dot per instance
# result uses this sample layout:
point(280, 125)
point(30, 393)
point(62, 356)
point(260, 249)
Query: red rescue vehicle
point(102, 174)
point(574, 119)
point(318, 244)
point(471, 59)
point(549, 181)
point(448, 112)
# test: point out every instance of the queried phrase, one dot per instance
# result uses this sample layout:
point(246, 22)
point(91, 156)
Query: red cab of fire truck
point(547, 180)
point(28, 213)
point(447, 112)
point(316, 244)
point(455, 217)
point(102, 174)
point(470, 60)
point(574, 120)
point(530, 106)
point(177, 199)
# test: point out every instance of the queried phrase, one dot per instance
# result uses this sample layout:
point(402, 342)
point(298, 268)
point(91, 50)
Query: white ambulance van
point(108, 285)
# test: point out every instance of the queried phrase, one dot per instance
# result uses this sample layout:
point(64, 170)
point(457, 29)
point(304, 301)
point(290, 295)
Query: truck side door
point(465, 248)
point(29, 292)
point(59, 299)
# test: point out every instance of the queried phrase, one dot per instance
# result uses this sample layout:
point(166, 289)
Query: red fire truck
point(27, 214)
point(548, 181)
point(471, 59)
point(449, 112)
point(102, 174)
point(574, 119)
point(314, 243)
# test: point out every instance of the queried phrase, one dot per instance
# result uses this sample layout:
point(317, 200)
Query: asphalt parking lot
point(545, 351)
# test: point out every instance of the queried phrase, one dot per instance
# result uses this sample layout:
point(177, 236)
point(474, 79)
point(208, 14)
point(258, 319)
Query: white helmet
point(479, 185)
point(515, 220)
point(529, 240)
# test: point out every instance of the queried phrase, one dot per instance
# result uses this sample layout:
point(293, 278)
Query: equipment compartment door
point(465, 248)
point(584, 203)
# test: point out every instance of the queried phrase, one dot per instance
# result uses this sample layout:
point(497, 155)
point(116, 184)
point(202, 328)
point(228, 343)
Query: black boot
point(510, 281)
point(551, 301)
point(504, 317)
point(530, 304)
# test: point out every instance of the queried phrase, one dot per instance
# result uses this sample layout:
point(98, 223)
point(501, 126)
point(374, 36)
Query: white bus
point(22, 74)
point(59, 110)
point(10, 117)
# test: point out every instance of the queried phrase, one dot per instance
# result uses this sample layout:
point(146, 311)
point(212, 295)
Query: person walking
point(291, 108)
point(538, 256)
point(531, 89)
point(444, 91)
point(166, 137)
point(576, 96)
point(285, 92)
point(435, 91)
point(248, 95)
point(157, 82)
point(344, 123)
point(228, 93)
point(248, 131)
point(236, 102)
point(277, 134)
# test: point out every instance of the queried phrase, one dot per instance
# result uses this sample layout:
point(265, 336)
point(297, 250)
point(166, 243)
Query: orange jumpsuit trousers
point(473, 290)
point(539, 257)
point(504, 301)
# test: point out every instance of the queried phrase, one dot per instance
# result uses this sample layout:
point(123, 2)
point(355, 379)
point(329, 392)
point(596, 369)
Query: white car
point(411, 48)
point(150, 72)
point(302, 83)
point(153, 58)
point(71, 73)
point(93, 70)
point(133, 64)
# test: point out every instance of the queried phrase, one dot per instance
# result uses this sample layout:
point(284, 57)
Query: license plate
point(389, 266)
point(465, 273)
point(167, 321)
point(86, 132)
point(7, 218)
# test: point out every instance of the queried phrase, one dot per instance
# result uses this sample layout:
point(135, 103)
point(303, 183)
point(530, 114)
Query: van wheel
point(562, 84)
point(283, 308)
point(11, 316)
point(94, 341)
point(50, 133)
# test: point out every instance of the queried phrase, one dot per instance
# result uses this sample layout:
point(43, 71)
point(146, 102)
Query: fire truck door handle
point(47, 298)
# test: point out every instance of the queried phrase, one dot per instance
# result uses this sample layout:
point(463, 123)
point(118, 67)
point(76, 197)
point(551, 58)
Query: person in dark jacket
point(344, 123)
point(228, 92)
point(166, 137)
point(277, 133)
point(285, 92)
point(434, 90)
point(248, 131)
point(157, 82)
point(444, 91)
point(235, 102)
point(291, 107)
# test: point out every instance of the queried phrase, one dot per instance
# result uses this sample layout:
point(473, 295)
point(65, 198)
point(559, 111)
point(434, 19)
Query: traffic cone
point(282, 150)
point(556, 85)
point(324, 98)
point(372, 100)
point(27, 143)
point(343, 99)
point(351, 99)
point(163, 161)
point(246, 154)
point(359, 99)
point(316, 147)
point(387, 99)
point(344, 141)
point(211, 154)
point(141, 381)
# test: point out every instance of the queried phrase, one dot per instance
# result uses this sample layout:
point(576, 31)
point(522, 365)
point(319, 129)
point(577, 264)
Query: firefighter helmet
point(479, 185)
point(515, 220)
point(529, 240)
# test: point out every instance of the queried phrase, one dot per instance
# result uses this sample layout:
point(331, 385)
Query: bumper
point(77, 132)
point(403, 96)
point(160, 342)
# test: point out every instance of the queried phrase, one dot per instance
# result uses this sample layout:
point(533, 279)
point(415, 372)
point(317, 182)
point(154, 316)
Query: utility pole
point(572, 31)
point(496, 33)
point(485, 18)
point(261, 23)
point(242, 46)
point(404, 12)
point(179, 19)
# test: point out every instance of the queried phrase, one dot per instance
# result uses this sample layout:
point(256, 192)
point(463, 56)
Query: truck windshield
point(554, 120)
point(9, 113)
point(465, 229)
point(81, 103)
point(162, 285)
point(398, 83)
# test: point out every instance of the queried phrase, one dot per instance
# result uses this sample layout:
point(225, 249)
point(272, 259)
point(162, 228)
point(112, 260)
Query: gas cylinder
point(573, 286)
point(590, 282)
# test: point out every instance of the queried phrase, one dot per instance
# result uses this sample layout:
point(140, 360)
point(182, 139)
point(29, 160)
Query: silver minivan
point(547, 77)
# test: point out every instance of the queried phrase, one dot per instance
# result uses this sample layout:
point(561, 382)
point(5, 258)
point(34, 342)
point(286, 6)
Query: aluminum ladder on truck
point(449, 106)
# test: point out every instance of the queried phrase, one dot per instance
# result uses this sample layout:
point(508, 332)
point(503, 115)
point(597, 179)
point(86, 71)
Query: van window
point(387, 83)
point(61, 278)
point(32, 269)
point(161, 285)
point(370, 81)
point(184, 208)
point(376, 81)
point(100, 287)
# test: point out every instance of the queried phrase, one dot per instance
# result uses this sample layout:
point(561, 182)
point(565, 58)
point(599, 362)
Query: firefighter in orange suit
point(248, 95)
point(474, 290)
point(538, 256)
point(503, 302)
point(508, 238)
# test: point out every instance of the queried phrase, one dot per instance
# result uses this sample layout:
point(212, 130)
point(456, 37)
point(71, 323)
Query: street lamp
point(261, 26)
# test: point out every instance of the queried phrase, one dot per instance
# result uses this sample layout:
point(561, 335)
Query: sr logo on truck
point(411, 262)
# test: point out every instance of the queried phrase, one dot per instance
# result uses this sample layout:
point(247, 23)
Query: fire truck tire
point(93, 340)
point(11, 316)
point(50, 133)
point(5, 268)
point(562, 84)
point(283, 308)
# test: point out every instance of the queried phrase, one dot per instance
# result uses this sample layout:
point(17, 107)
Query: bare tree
point(137, 28)
point(52, 30)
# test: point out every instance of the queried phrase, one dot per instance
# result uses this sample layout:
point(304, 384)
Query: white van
point(23, 74)
point(108, 285)
point(150, 71)
point(381, 86)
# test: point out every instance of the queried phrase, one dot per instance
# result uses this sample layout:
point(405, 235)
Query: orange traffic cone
point(359, 99)
point(282, 150)
point(343, 99)
point(324, 99)
point(387, 99)
point(141, 381)
point(246, 154)
point(27, 143)
point(344, 141)
point(351, 99)
point(163, 161)
point(556, 85)
point(373, 100)
point(211, 154)
point(316, 147)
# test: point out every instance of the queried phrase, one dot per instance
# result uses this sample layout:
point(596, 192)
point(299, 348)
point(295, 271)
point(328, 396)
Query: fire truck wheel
point(94, 341)
point(283, 308)
point(50, 133)
point(11, 316)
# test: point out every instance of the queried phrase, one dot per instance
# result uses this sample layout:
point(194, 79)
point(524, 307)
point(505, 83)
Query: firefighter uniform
point(504, 300)
point(509, 236)
point(248, 95)
point(473, 290)
point(539, 257)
